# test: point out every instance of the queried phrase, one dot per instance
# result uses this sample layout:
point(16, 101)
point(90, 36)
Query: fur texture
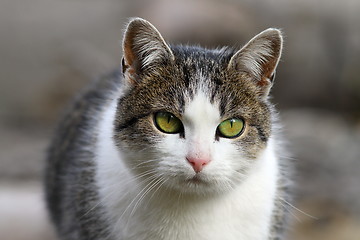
point(112, 174)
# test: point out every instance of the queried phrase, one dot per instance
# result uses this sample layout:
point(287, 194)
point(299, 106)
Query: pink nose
point(198, 163)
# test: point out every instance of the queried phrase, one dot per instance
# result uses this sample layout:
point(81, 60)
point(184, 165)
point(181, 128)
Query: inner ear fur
point(143, 48)
point(259, 58)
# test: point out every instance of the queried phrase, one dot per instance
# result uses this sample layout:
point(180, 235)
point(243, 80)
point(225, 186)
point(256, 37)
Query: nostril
point(191, 162)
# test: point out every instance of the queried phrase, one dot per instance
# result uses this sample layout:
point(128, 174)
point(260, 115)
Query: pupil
point(169, 118)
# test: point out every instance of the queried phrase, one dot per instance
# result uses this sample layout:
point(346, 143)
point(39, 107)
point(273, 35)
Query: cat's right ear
point(144, 49)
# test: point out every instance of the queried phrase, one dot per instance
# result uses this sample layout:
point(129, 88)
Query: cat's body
point(116, 171)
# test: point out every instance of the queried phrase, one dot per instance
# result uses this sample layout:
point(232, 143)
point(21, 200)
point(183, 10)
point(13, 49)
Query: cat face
point(192, 119)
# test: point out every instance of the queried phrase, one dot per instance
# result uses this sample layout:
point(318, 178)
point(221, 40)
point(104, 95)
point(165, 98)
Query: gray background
point(49, 49)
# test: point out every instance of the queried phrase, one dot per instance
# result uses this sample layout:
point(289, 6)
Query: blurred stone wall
point(51, 48)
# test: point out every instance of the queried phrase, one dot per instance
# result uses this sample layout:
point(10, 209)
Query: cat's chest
point(228, 217)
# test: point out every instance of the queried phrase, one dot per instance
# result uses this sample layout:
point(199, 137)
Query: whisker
point(162, 182)
point(299, 210)
point(145, 162)
point(144, 174)
point(152, 179)
point(153, 183)
point(292, 214)
point(158, 180)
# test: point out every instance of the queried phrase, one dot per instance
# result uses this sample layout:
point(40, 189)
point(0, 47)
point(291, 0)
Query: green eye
point(231, 128)
point(167, 122)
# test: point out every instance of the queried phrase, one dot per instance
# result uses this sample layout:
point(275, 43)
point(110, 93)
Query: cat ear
point(259, 58)
point(144, 48)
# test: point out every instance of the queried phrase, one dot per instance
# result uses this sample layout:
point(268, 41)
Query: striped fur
point(111, 174)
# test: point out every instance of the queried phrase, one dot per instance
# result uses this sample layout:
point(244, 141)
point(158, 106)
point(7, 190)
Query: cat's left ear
point(259, 58)
point(144, 50)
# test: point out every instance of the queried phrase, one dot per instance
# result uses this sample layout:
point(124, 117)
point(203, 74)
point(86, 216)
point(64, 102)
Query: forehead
point(200, 109)
point(195, 72)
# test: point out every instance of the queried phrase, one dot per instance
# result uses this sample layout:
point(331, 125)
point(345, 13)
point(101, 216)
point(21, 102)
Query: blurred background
point(49, 49)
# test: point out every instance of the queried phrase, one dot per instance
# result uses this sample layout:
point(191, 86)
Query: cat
point(181, 142)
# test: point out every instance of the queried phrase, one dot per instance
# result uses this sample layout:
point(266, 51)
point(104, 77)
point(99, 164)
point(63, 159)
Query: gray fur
point(156, 76)
point(71, 194)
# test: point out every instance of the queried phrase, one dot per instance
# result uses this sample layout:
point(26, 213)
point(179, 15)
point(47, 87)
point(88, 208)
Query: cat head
point(194, 119)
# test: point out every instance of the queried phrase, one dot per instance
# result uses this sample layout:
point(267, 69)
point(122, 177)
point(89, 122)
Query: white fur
point(227, 207)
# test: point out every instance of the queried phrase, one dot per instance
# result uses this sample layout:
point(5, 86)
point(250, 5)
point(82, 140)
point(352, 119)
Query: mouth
point(196, 179)
point(199, 184)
